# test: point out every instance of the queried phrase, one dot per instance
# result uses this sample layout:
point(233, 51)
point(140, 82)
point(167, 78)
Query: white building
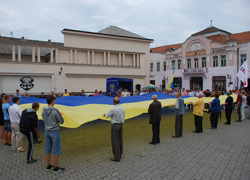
point(84, 61)
point(209, 59)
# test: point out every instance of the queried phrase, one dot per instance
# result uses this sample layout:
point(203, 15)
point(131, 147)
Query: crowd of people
point(215, 108)
point(14, 123)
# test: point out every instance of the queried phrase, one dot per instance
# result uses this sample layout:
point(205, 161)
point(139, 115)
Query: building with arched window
point(208, 59)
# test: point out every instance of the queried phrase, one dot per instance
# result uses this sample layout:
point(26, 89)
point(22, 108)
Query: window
point(243, 58)
point(173, 64)
point(158, 66)
point(188, 63)
point(164, 66)
point(151, 67)
point(152, 82)
point(223, 60)
point(219, 83)
point(196, 62)
point(215, 61)
point(204, 62)
point(179, 64)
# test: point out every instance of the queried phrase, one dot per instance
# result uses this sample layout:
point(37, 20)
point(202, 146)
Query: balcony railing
point(195, 70)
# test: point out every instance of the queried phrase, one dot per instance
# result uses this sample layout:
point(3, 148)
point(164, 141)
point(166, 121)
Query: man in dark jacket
point(29, 127)
point(155, 117)
point(229, 108)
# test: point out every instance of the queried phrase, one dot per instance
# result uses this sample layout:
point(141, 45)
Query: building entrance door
point(219, 83)
point(196, 83)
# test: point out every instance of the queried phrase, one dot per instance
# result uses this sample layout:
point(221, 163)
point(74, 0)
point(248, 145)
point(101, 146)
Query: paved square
point(214, 154)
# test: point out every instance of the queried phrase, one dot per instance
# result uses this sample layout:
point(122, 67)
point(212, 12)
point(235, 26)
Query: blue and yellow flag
point(78, 110)
point(171, 82)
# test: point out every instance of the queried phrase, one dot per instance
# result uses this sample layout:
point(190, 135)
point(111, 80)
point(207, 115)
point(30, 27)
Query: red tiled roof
point(220, 38)
point(239, 37)
point(209, 30)
point(163, 49)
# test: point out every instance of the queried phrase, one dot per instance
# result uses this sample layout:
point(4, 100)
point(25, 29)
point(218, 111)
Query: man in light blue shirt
point(117, 117)
point(7, 128)
point(17, 93)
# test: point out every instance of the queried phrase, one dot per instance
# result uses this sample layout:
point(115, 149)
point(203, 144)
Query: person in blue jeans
point(52, 117)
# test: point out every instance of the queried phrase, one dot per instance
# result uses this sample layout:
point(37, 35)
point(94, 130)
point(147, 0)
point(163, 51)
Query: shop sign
point(219, 50)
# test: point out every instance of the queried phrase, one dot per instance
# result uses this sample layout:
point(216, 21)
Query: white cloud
point(166, 21)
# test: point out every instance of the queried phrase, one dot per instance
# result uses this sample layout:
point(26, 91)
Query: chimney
point(22, 38)
point(211, 24)
point(49, 41)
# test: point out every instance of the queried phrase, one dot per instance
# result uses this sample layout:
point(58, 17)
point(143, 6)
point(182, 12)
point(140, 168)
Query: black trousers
point(190, 106)
point(178, 125)
point(31, 136)
point(214, 116)
point(239, 112)
point(156, 133)
point(228, 113)
point(198, 123)
point(117, 143)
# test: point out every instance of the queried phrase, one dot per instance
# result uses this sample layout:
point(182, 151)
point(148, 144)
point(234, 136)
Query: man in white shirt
point(191, 93)
point(199, 92)
point(15, 113)
point(125, 93)
point(142, 92)
point(117, 117)
point(243, 105)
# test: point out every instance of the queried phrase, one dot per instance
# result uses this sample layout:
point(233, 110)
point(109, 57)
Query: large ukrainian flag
point(78, 110)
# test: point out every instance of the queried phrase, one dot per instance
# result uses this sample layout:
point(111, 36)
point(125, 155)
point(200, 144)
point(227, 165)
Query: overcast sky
point(165, 21)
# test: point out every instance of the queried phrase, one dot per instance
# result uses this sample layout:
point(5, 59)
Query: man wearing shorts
point(7, 129)
point(52, 117)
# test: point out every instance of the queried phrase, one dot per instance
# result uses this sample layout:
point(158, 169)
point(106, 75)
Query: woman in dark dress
point(215, 111)
point(1, 121)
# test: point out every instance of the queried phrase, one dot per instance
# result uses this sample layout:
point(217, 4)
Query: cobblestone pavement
point(215, 154)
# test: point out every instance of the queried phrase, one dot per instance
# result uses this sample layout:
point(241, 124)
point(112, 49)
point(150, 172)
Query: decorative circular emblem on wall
point(112, 87)
point(26, 83)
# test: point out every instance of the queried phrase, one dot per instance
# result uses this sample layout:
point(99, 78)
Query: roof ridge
point(241, 32)
point(114, 30)
point(167, 45)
